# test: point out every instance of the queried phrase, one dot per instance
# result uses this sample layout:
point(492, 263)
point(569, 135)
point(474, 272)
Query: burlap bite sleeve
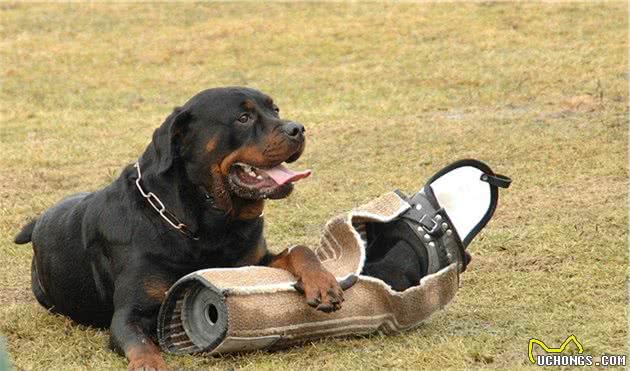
point(239, 309)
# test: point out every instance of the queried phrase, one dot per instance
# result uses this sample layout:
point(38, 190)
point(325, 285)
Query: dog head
point(232, 142)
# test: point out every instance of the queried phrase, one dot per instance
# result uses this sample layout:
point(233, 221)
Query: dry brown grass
point(390, 93)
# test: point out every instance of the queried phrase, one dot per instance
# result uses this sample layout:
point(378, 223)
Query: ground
point(389, 93)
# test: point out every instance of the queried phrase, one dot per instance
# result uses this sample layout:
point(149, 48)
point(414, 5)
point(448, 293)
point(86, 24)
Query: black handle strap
point(497, 180)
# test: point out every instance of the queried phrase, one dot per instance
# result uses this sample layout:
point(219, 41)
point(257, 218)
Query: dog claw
point(348, 282)
point(326, 308)
point(299, 287)
point(333, 297)
point(314, 302)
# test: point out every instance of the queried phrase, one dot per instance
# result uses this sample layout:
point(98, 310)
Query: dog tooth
point(259, 177)
point(252, 174)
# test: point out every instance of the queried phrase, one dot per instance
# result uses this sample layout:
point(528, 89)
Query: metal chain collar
point(157, 204)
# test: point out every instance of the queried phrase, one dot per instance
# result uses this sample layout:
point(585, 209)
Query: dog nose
point(293, 129)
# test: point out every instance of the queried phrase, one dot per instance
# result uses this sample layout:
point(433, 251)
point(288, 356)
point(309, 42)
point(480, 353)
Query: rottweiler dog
point(193, 200)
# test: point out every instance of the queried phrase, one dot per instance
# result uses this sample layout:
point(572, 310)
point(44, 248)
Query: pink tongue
point(281, 175)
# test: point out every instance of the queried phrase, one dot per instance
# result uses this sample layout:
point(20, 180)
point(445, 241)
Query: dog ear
point(165, 138)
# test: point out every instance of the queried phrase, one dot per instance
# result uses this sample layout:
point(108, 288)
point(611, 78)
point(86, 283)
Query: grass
point(389, 93)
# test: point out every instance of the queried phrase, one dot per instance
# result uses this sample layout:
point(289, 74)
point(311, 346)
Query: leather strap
point(497, 180)
point(435, 232)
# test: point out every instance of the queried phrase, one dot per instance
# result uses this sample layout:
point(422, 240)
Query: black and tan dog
point(194, 200)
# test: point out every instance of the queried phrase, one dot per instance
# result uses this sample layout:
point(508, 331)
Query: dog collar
point(157, 204)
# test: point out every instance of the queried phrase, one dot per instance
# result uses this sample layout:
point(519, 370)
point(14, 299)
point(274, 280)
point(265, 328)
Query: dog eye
point(244, 118)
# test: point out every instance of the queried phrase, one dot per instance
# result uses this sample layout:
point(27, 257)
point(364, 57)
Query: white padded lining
point(465, 197)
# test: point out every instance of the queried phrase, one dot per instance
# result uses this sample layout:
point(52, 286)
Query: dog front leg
point(129, 338)
point(320, 287)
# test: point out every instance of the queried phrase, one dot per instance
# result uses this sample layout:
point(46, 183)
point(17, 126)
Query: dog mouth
point(253, 183)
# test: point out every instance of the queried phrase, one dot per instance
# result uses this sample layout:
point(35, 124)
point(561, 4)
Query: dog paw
point(321, 289)
point(148, 364)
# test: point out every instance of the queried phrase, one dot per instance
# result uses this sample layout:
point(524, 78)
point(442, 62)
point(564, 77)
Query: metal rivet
point(426, 235)
point(444, 226)
point(438, 217)
point(419, 229)
point(431, 244)
point(418, 207)
point(449, 232)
